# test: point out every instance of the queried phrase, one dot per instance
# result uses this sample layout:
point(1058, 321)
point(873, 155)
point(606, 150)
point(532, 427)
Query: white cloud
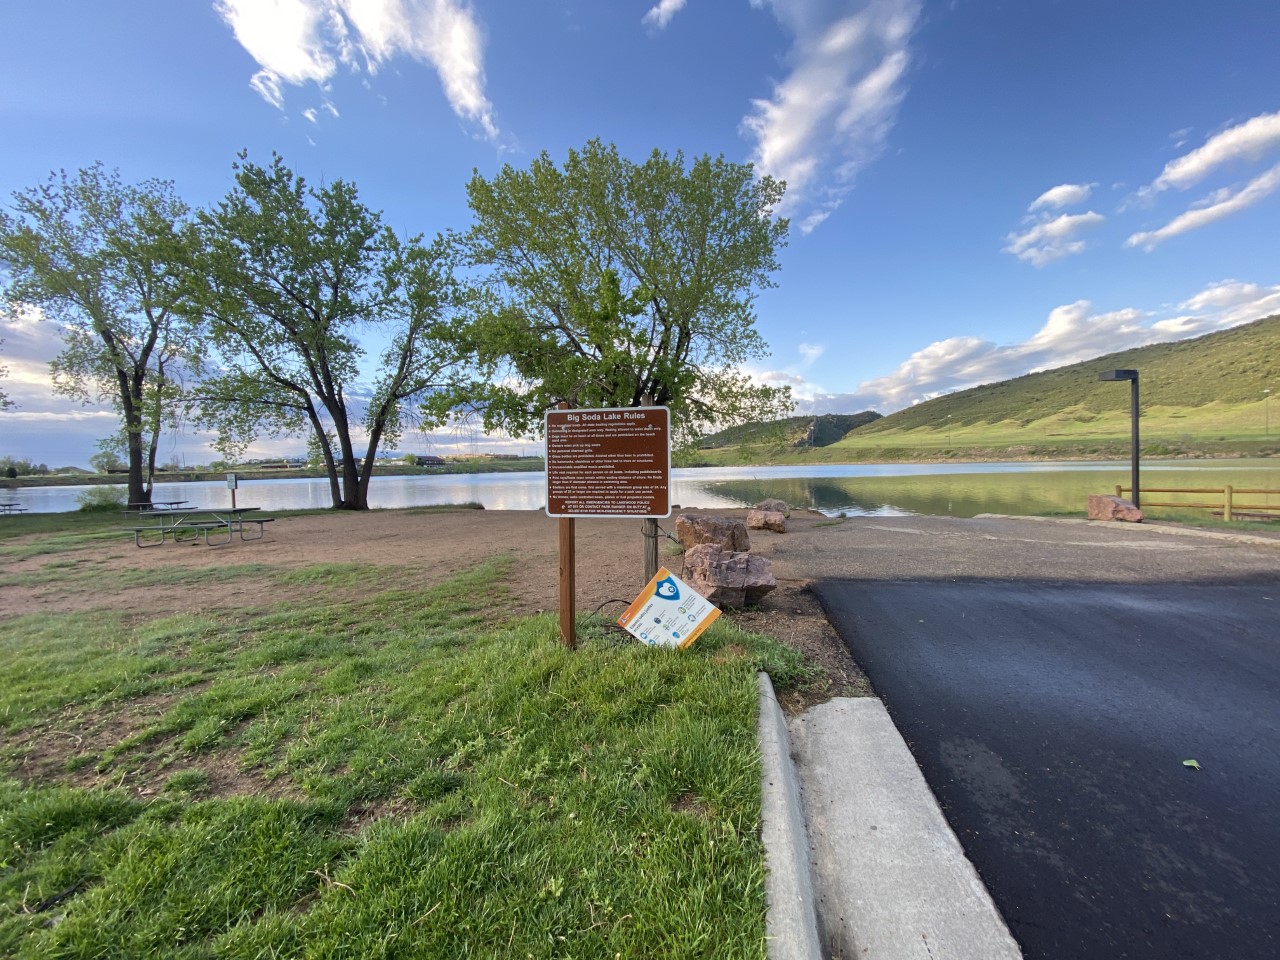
point(809, 352)
point(303, 41)
point(660, 15)
point(1222, 203)
point(831, 116)
point(267, 85)
point(1063, 195)
point(1250, 140)
point(310, 114)
point(1053, 239)
point(1071, 333)
point(1229, 303)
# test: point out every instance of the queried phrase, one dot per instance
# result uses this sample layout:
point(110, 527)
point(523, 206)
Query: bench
point(199, 530)
point(260, 521)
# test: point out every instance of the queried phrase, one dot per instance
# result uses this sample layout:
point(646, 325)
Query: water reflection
point(960, 490)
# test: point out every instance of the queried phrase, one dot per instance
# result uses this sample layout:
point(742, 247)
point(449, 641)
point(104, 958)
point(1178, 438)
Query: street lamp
point(1132, 377)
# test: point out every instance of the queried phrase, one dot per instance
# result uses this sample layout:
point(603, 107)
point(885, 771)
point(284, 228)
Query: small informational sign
point(231, 481)
point(613, 462)
point(668, 613)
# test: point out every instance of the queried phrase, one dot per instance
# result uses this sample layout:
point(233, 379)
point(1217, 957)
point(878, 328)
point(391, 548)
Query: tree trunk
point(326, 450)
point(350, 499)
point(139, 492)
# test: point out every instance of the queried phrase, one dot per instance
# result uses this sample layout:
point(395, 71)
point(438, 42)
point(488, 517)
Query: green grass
point(422, 779)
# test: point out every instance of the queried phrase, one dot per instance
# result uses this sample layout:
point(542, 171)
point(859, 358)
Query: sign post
point(612, 462)
point(232, 483)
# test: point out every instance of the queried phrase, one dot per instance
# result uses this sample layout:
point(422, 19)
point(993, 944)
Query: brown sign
point(609, 463)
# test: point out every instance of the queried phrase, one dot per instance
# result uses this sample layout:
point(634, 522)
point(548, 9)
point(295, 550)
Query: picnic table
point(157, 505)
point(12, 506)
point(185, 525)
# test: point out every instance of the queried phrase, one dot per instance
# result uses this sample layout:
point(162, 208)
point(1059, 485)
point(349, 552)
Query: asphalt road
point(1051, 682)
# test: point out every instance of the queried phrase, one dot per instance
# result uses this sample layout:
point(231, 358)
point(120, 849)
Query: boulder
point(723, 532)
point(728, 578)
point(774, 505)
point(1105, 506)
point(774, 520)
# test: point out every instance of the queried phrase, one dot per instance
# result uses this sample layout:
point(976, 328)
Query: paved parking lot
point(1051, 679)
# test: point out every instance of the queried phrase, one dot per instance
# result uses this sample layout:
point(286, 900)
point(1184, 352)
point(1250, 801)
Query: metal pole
point(1133, 415)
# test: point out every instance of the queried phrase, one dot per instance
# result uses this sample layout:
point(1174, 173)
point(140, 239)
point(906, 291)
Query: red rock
point(774, 520)
point(723, 532)
point(728, 578)
point(775, 505)
point(1105, 506)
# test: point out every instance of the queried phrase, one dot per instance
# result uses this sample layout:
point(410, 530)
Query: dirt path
point(420, 547)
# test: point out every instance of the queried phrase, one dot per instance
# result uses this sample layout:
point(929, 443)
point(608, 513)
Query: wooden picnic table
point(12, 506)
point(157, 505)
point(194, 526)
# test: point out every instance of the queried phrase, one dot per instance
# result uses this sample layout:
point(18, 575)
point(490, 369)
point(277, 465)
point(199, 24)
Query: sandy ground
point(424, 547)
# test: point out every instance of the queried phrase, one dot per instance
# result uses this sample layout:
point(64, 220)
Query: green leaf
point(1193, 764)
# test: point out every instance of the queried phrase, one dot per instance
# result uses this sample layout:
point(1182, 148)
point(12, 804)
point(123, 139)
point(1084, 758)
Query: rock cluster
point(718, 562)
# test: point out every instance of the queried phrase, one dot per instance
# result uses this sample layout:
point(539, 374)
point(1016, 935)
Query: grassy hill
point(1199, 397)
point(793, 432)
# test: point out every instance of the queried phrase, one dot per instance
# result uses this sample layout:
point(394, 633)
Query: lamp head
point(1118, 375)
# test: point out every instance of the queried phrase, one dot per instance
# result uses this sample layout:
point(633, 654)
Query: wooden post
point(650, 524)
point(650, 548)
point(568, 575)
point(1119, 491)
point(1227, 493)
point(568, 634)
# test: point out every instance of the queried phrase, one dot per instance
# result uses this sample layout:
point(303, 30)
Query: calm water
point(953, 489)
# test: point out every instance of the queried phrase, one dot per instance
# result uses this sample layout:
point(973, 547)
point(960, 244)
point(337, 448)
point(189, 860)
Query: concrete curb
point(857, 851)
point(892, 880)
point(791, 924)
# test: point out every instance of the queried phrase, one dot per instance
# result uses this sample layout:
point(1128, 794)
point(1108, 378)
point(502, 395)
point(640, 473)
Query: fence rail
point(1227, 505)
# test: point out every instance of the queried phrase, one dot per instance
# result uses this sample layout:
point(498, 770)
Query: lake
point(860, 489)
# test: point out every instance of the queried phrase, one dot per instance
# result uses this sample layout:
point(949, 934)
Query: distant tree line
point(601, 283)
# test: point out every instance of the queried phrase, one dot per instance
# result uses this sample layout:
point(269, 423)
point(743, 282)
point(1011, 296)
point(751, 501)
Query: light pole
point(1132, 377)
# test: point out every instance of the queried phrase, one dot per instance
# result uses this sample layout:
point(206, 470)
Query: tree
point(286, 277)
point(99, 256)
point(5, 402)
point(110, 454)
point(609, 281)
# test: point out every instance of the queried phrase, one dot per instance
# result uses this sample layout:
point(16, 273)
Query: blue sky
point(978, 188)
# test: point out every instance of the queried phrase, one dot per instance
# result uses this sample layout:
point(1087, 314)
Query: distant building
point(427, 460)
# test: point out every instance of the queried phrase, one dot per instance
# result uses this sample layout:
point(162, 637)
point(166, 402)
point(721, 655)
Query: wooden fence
point(1227, 506)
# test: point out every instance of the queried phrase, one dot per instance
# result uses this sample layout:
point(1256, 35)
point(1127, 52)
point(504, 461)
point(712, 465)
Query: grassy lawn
point(402, 774)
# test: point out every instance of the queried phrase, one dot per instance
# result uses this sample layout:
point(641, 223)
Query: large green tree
point(291, 280)
point(100, 257)
point(609, 281)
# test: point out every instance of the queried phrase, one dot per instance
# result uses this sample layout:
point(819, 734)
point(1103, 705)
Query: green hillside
point(818, 431)
point(1200, 397)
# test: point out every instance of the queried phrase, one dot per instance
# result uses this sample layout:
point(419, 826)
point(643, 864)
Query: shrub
point(102, 499)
